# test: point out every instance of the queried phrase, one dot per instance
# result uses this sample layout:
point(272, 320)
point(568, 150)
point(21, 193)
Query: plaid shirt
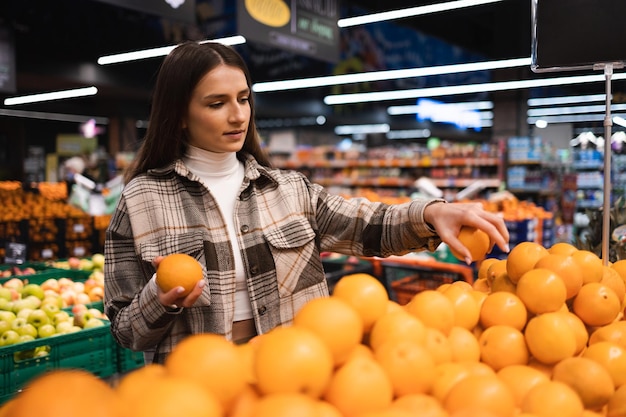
point(283, 223)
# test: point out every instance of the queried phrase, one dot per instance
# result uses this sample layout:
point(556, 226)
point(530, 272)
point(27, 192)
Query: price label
point(79, 228)
point(15, 253)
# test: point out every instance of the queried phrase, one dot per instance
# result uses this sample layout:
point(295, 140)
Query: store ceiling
point(57, 44)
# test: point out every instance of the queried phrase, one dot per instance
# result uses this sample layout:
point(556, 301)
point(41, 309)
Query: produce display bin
point(48, 272)
point(337, 268)
point(89, 349)
point(405, 277)
point(128, 360)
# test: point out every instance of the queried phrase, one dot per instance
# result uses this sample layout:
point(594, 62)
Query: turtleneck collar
point(207, 163)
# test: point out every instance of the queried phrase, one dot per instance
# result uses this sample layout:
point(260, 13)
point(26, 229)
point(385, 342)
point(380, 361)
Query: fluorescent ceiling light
point(553, 101)
point(408, 134)
point(555, 111)
point(619, 121)
point(414, 109)
point(575, 118)
point(53, 116)
point(56, 95)
point(161, 51)
point(387, 75)
point(410, 12)
point(361, 129)
point(463, 89)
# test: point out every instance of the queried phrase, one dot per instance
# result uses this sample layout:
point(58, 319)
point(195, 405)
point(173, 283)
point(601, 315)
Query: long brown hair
point(180, 72)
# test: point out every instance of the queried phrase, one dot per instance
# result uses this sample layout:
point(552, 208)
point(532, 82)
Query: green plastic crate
point(44, 274)
point(89, 349)
point(128, 360)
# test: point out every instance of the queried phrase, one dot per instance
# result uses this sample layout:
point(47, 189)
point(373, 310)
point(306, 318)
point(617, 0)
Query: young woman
point(201, 184)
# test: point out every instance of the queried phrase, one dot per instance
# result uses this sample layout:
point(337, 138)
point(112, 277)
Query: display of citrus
point(503, 308)
point(466, 308)
point(463, 345)
point(520, 379)
point(359, 385)
point(552, 398)
point(438, 344)
point(522, 258)
point(433, 309)
point(612, 357)
point(612, 279)
point(502, 346)
point(335, 321)
point(566, 268)
point(596, 304)
point(366, 294)
point(577, 372)
point(476, 241)
point(204, 354)
point(409, 366)
point(422, 405)
point(502, 282)
point(293, 359)
point(620, 267)
point(395, 326)
point(178, 270)
point(541, 290)
point(480, 393)
point(495, 269)
point(580, 330)
point(591, 265)
point(285, 404)
point(484, 267)
point(613, 332)
point(563, 248)
point(132, 385)
point(616, 406)
point(550, 338)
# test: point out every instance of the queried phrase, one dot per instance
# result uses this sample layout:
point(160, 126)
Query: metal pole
point(608, 123)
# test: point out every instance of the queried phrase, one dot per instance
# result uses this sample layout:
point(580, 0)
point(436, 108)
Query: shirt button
point(262, 310)
point(254, 269)
point(245, 228)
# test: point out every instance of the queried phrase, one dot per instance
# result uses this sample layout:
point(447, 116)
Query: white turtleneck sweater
point(222, 174)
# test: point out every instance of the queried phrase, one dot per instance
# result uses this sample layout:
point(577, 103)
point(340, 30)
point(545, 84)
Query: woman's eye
point(244, 99)
point(216, 105)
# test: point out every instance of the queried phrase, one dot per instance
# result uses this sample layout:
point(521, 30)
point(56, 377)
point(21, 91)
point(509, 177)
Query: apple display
point(60, 317)
point(28, 330)
point(34, 301)
point(98, 260)
point(6, 293)
point(96, 294)
point(7, 316)
point(46, 330)
point(27, 338)
point(6, 305)
point(23, 313)
point(19, 322)
point(10, 337)
point(82, 298)
point(14, 283)
point(32, 289)
point(51, 284)
point(38, 318)
point(5, 325)
point(50, 309)
point(56, 299)
point(93, 322)
point(23, 304)
point(64, 327)
point(73, 262)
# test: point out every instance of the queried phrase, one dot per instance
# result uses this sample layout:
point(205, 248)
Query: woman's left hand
point(448, 218)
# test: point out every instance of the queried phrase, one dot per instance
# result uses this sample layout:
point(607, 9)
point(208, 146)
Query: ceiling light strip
point(554, 101)
point(53, 116)
point(579, 118)
point(555, 111)
point(55, 95)
point(463, 89)
point(161, 51)
point(410, 12)
point(414, 109)
point(268, 86)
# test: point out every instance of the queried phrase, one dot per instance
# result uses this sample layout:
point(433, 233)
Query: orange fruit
point(612, 279)
point(541, 290)
point(580, 330)
point(409, 366)
point(562, 248)
point(610, 355)
point(204, 354)
point(482, 285)
point(617, 404)
point(475, 240)
point(612, 332)
point(437, 343)
point(522, 258)
point(132, 385)
point(466, 309)
point(577, 372)
point(566, 268)
point(496, 268)
point(596, 304)
point(464, 345)
point(479, 296)
point(552, 398)
point(503, 308)
point(293, 359)
point(178, 270)
point(398, 325)
point(335, 321)
point(550, 338)
point(285, 404)
point(171, 395)
point(502, 346)
point(361, 350)
point(480, 392)
point(449, 373)
point(620, 267)
point(423, 405)
point(43, 396)
point(359, 385)
point(365, 294)
point(484, 267)
point(325, 409)
point(520, 379)
point(591, 265)
point(244, 404)
point(502, 282)
point(433, 309)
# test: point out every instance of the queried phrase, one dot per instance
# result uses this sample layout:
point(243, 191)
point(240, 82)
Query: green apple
point(6, 305)
point(14, 283)
point(32, 289)
point(50, 309)
point(92, 323)
point(27, 329)
point(26, 338)
point(98, 260)
point(53, 299)
point(7, 316)
point(6, 293)
point(34, 301)
point(19, 322)
point(41, 351)
point(10, 337)
point(38, 318)
point(60, 317)
point(24, 313)
point(4, 326)
point(85, 265)
point(46, 330)
point(23, 304)
point(64, 327)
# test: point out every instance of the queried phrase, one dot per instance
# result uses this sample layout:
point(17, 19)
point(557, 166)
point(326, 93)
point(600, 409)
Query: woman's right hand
point(172, 298)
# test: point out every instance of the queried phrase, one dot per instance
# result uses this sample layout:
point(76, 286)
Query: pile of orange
point(540, 333)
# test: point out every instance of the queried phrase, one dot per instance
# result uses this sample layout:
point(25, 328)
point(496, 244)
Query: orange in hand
point(178, 270)
point(475, 240)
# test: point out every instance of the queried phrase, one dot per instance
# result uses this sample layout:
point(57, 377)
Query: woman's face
point(219, 111)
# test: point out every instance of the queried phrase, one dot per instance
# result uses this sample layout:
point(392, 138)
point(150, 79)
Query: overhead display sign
point(183, 10)
point(303, 27)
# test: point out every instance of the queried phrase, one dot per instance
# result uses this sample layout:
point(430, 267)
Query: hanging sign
point(303, 27)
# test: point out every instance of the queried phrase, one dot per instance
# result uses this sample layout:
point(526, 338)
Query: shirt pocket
point(295, 254)
point(190, 243)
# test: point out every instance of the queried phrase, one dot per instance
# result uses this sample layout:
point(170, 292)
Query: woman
point(201, 184)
